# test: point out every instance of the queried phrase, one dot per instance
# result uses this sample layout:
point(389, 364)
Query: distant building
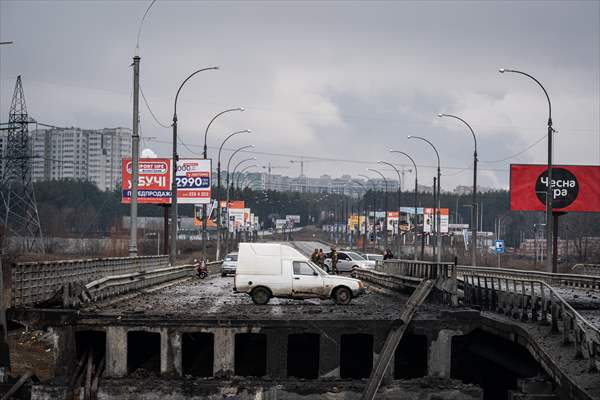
point(75, 153)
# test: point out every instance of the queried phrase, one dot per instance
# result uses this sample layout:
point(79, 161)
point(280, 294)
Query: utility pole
point(135, 155)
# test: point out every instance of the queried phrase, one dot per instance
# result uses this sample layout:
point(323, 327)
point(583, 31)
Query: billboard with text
point(154, 183)
point(575, 188)
point(193, 179)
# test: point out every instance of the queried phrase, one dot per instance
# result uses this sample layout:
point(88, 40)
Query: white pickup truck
point(268, 270)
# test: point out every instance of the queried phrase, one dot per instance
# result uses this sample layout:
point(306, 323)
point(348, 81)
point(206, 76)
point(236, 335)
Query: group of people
point(318, 257)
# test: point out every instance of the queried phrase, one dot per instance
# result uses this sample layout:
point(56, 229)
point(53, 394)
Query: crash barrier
point(116, 285)
point(417, 269)
point(536, 301)
point(587, 269)
point(33, 282)
point(553, 279)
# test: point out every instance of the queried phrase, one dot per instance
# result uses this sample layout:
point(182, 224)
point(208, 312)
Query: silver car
point(229, 264)
point(347, 261)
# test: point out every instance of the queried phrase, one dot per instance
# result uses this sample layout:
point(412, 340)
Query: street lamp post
point(385, 206)
point(365, 212)
point(474, 209)
point(135, 141)
point(439, 230)
point(399, 204)
point(204, 154)
point(244, 178)
point(173, 253)
point(219, 191)
point(374, 209)
point(416, 199)
point(227, 189)
point(551, 251)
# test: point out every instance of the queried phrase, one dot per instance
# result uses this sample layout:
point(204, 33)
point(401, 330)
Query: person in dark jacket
point(315, 257)
point(334, 261)
point(388, 255)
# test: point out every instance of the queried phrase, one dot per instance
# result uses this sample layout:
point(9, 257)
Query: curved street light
point(219, 190)
point(204, 154)
point(437, 204)
point(365, 212)
point(416, 200)
point(474, 208)
point(385, 206)
point(551, 219)
point(399, 201)
point(173, 252)
point(250, 146)
point(213, 120)
point(241, 173)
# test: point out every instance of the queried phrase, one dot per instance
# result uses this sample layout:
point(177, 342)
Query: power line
point(287, 155)
point(516, 154)
point(150, 110)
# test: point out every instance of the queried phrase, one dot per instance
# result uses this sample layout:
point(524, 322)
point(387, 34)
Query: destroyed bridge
point(136, 327)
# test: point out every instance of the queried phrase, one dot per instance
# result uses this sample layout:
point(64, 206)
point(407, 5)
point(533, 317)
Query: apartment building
point(76, 153)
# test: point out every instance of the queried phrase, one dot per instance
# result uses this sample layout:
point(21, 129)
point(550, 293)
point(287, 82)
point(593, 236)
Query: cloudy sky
point(341, 81)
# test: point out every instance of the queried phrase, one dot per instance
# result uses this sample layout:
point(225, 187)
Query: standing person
point(315, 257)
point(388, 255)
point(321, 260)
point(334, 261)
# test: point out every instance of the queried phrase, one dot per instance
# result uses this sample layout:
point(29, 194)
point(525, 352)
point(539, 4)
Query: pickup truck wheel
point(260, 296)
point(342, 296)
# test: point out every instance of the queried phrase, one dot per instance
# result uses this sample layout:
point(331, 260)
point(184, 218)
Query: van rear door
point(306, 281)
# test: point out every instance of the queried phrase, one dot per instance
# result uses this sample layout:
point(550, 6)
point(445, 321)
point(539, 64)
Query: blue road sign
point(499, 246)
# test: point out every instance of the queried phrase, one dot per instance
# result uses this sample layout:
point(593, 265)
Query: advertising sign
point(154, 183)
point(392, 221)
point(293, 218)
point(428, 220)
point(193, 179)
point(574, 187)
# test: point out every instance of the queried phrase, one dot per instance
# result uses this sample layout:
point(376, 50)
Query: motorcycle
point(201, 269)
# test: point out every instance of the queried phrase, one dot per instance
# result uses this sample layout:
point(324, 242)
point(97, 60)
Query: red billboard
point(154, 184)
point(575, 188)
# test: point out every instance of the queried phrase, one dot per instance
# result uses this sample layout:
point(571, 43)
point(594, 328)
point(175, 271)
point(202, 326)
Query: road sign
point(500, 246)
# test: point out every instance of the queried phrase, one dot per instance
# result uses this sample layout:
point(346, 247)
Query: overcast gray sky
point(341, 80)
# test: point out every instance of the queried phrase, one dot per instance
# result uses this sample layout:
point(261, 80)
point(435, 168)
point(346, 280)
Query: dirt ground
point(31, 351)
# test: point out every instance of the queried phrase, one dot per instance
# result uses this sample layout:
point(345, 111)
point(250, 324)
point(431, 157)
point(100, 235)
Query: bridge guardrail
point(417, 269)
point(569, 280)
point(588, 269)
point(34, 282)
point(119, 284)
point(535, 300)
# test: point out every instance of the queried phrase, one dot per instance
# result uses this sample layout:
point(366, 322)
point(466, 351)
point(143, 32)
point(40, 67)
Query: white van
point(268, 270)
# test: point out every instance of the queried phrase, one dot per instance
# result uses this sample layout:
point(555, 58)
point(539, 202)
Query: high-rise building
point(75, 153)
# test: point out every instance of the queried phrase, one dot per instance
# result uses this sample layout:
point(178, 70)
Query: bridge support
point(116, 351)
point(440, 353)
point(224, 361)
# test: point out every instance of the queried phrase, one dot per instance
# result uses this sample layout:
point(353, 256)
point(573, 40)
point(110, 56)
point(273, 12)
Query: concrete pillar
point(440, 353)
point(175, 344)
point(64, 353)
point(116, 351)
point(167, 353)
point(379, 338)
point(329, 357)
point(224, 356)
point(277, 353)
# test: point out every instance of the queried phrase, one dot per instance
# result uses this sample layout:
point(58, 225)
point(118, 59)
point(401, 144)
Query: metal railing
point(534, 300)
point(587, 269)
point(554, 279)
point(34, 282)
point(417, 269)
point(116, 285)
